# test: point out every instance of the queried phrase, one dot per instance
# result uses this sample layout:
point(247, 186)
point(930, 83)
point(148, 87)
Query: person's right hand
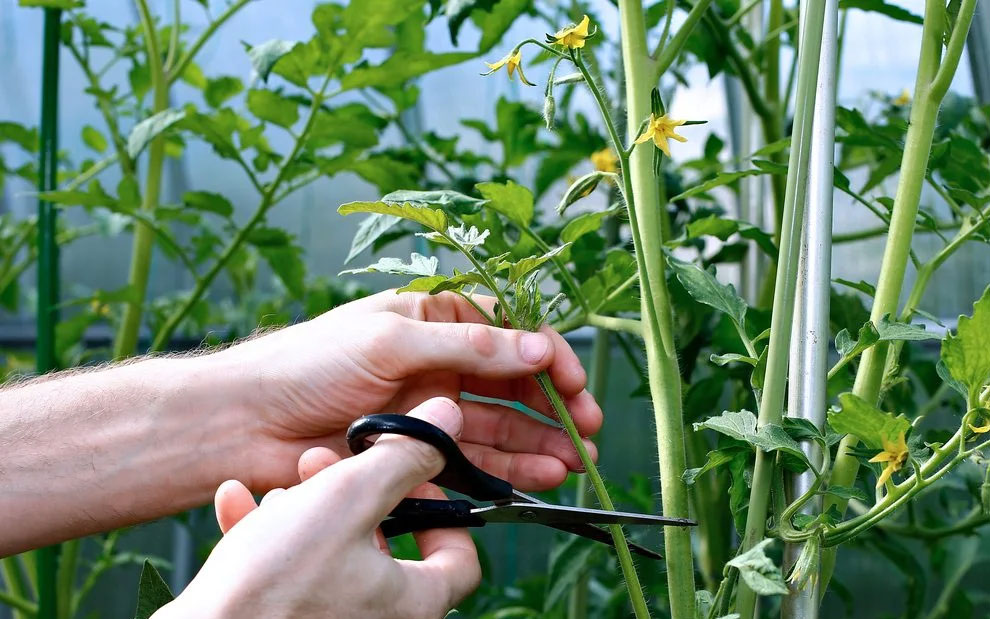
point(312, 550)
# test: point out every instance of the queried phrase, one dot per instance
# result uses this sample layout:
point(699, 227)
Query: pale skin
point(94, 451)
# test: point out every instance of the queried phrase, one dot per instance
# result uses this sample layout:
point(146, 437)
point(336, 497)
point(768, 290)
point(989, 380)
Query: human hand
point(302, 386)
point(312, 550)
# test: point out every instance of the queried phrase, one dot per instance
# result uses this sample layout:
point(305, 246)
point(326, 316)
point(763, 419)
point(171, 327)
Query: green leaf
point(712, 225)
point(434, 219)
point(264, 56)
point(879, 6)
point(286, 262)
point(94, 139)
point(966, 353)
point(861, 285)
point(153, 593)
point(847, 347)
point(723, 178)
point(512, 200)
point(20, 135)
point(732, 358)
point(53, 4)
point(943, 373)
point(890, 331)
point(519, 269)
point(759, 572)
point(444, 198)
point(369, 231)
point(859, 418)
point(208, 201)
point(423, 284)
point(845, 493)
point(583, 224)
point(149, 128)
point(459, 280)
point(715, 459)
point(419, 265)
point(399, 67)
point(220, 89)
point(705, 288)
point(273, 107)
point(268, 237)
point(742, 426)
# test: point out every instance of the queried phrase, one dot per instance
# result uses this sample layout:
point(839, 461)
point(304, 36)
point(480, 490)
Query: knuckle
point(386, 326)
point(480, 339)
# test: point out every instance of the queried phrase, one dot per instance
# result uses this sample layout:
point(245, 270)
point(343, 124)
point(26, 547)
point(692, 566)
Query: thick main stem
point(772, 400)
point(918, 143)
point(125, 342)
point(645, 216)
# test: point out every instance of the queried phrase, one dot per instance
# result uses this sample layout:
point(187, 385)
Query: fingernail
point(442, 413)
point(533, 347)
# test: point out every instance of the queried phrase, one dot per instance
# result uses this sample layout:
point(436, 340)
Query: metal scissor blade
point(597, 534)
point(553, 515)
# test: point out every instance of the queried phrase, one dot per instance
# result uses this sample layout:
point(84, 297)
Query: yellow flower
point(605, 160)
point(903, 99)
point(660, 129)
point(512, 62)
point(574, 36)
point(895, 454)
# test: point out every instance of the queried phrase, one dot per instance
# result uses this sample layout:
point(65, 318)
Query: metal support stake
point(809, 346)
point(978, 46)
point(48, 277)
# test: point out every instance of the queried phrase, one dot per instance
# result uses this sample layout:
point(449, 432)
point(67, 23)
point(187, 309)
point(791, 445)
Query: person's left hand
point(302, 386)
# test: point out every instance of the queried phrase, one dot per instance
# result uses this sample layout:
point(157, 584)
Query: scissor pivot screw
point(528, 515)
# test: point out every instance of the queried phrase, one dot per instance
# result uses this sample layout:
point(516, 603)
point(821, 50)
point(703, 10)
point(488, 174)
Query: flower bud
point(549, 107)
point(579, 189)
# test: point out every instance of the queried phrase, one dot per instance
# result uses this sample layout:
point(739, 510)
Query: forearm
point(93, 451)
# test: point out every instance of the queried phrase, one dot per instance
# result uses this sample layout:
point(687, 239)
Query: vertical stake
point(48, 277)
point(809, 346)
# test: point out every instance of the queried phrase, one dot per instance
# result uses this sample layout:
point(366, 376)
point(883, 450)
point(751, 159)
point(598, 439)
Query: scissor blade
point(594, 533)
point(553, 515)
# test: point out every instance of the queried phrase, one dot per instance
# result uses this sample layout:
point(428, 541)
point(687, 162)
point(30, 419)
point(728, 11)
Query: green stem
point(173, 321)
point(125, 342)
point(973, 520)
point(871, 233)
point(66, 577)
point(774, 388)
point(667, 53)
point(20, 606)
point(577, 603)
point(18, 588)
point(572, 285)
point(914, 163)
point(186, 58)
point(646, 212)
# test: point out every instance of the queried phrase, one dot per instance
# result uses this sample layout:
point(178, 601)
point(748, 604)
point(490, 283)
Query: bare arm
point(91, 451)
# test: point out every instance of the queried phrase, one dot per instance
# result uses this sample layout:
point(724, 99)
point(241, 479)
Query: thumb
point(395, 465)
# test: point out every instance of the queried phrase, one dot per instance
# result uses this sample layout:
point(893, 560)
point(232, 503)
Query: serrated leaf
point(742, 426)
point(847, 347)
point(369, 231)
point(943, 373)
point(434, 219)
point(264, 56)
point(208, 201)
point(458, 281)
point(705, 288)
point(152, 594)
point(872, 425)
point(512, 200)
point(758, 570)
point(583, 224)
point(966, 353)
point(521, 268)
point(715, 459)
point(220, 89)
point(423, 284)
point(444, 198)
point(419, 265)
point(890, 331)
point(273, 107)
point(149, 128)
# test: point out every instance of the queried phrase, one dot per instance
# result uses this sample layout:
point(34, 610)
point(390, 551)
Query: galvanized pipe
point(978, 46)
point(809, 345)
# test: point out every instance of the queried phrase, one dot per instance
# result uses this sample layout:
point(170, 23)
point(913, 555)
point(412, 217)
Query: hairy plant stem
point(622, 553)
point(774, 388)
point(932, 82)
point(646, 216)
point(126, 339)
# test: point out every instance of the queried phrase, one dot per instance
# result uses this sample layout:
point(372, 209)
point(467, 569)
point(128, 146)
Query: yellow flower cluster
point(895, 454)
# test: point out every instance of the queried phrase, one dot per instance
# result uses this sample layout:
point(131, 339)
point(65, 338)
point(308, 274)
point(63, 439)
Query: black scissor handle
point(458, 473)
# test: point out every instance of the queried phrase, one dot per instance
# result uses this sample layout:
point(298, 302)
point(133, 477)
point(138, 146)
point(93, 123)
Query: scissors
point(508, 504)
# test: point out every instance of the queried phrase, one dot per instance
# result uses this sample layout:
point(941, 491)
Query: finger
point(509, 430)
point(443, 307)
point(381, 476)
point(271, 495)
point(233, 501)
point(449, 569)
point(467, 348)
point(583, 407)
point(566, 371)
point(527, 472)
point(314, 460)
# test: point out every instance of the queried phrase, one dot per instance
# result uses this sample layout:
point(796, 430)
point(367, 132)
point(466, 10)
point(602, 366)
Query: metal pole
point(978, 46)
point(48, 277)
point(809, 346)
